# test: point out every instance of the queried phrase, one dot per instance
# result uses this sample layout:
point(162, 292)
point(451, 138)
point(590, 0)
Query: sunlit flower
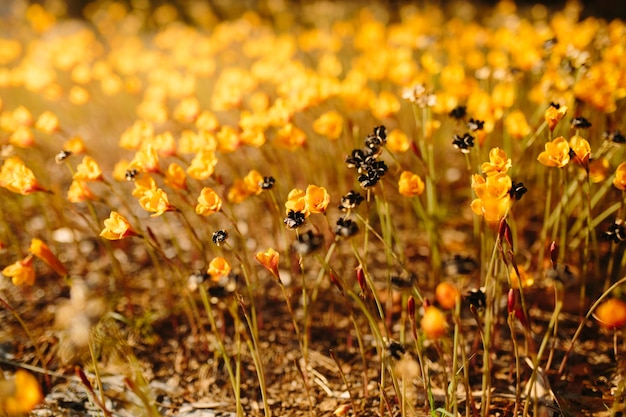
point(554, 114)
point(88, 170)
point(21, 394)
point(208, 202)
point(163, 143)
point(329, 124)
point(202, 165)
point(22, 137)
point(120, 169)
point(207, 121)
point(620, 177)
point(228, 139)
point(296, 202)
point(433, 323)
point(598, 170)
point(316, 199)
point(494, 199)
point(22, 116)
point(398, 141)
point(516, 125)
point(117, 227)
point(175, 176)
point(253, 181)
point(75, 145)
point(43, 252)
point(186, 110)
point(580, 150)
point(17, 177)
point(155, 201)
point(238, 192)
point(47, 122)
point(290, 137)
point(79, 192)
point(218, 267)
point(146, 160)
point(498, 162)
point(410, 184)
point(21, 272)
point(269, 259)
point(612, 313)
point(556, 153)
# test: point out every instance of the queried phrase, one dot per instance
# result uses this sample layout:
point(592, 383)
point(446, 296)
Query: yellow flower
point(119, 170)
point(43, 252)
point(88, 170)
point(329, 124)
point(295, 201)
point(493, 200)
point(516, 124)
point(175, 176)
point(47, 122)
point(146, 160)
point(21, 394)
point(620, 177)
point(218, 267)
point(21, 272)
point(155, 201)
point(385, 105)
point(290, 137)
point(410, 184)
point(75, 145)
point(17, 177)
point(238, 192)
point(582, 150)
point(227, 139)
point(79, 192)
point(208, 202)
point(207, 121)
point(252, 182)
point(316, 199)
point(144, 184)
point(598, 170)
point(202, 165)
point(22, 116)
point(269, 259)
point(498, 162)
point(164, 144)
point(556, 153)
point(433, 323)
point(187, 110)
point(22, 137)
point(554, 114)
point(398, 141)
point(491, 208)
point(117, 227)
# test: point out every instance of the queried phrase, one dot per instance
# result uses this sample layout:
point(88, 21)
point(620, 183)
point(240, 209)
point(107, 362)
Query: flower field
point(312, 208)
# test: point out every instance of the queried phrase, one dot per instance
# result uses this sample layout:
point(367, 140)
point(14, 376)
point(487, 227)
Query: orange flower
point(21, 394)
point(88, 170)
point(295, 201)
point(21, 272)
point(218, 267)
point(43, 252)
point(146, 160)
point(493, 200)
point(398, 141)
point(290, 137)
point(202, 165)
point(620, 177)
point(316, 199)
point(143, 185)
point(79, 192)
point(187, 110)
point(238, 192)
point(22, 137)
point(498, 162)
point(75, 145)
point(433, 323)
point(554, 114)
point(329, 124)
point(207, 121)
point(117, 227)
point(175, 177)
point(385, 105)
point(208, 202)
point(47, 122)
point(516, 124)
point(582, 150)
point(252, 182)
point(556, 153)
point(598, 170)
point(447, 295)
point(155, 201)
point(17, 177)
point(410, 184)
point(120, 169)
point(228, 139)
point(22, 116)
point(611, 314)
point(269, 259)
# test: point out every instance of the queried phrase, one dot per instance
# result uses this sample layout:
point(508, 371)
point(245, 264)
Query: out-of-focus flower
point(410, 184)
point(39, 248)
point(598, 170)
point(351, 201)
point(290, 137)
point(620, 177)
point(447, 295)
point(556, 153)
point(398, 141)
point(433, 323)
point(346, 228)
point(117, 227)
point(329, 124)
point(17, 177)
point(208, 202)
point(228, 139)
point(19, 395)
point(498, 162)
point(611, 314)
point(385, 105)
point(22, 137)
point(238, 192)
point(580, 151)
point(79, 192)
point(21, 272)
point(119, 170)
point(88, 170)
point(218, 267)
point(187, 110)
point(146, 160)
point(269, 259)
point(175, 176)
point(516, 125)
point(202, 165)
point(316, 199)
point(207, 121)
point(253, 182)
point(463, 143)
point(554, 114)
point(75, 145)
point(47, 122)
point(525, 277)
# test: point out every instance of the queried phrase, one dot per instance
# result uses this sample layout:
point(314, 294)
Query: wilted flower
point(410, 184)
point(554, 114)
point(269, 259)
point(39, 248)
point(21, 272)
point(117, 227)
point(268, 183)
point(556, 153)
point(477, 298)
point(458, 112)
point(620, 177)
point(208, 202)
point(294, 219)
point(580, 123)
